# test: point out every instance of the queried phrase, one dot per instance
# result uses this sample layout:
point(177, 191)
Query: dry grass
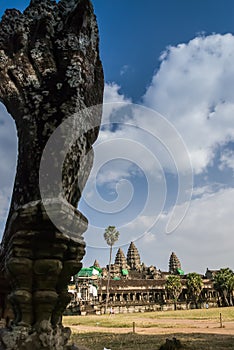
point(97, 341)
point(196, 329)
point(150, 319)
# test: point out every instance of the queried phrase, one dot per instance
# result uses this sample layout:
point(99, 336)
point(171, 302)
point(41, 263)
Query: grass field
point(94, 341)
point(150, 319)
point(196, 329)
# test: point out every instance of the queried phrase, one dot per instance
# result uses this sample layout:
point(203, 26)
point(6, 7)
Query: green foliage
point(111, 235)
point(194, 285)
point(224, 284)
point(173, 286)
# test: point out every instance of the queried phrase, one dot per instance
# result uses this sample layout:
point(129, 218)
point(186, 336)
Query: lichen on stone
point(49, 69)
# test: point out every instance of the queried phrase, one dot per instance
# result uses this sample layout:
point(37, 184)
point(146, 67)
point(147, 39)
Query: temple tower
point(96, 264)
point(133, 257)
point(120, 259)
point(174, 263)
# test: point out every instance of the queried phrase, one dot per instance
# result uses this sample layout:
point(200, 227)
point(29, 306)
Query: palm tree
point(174, 287)
point(111, 236)
point(194, 285)
point(231, 289)
point(224, 284)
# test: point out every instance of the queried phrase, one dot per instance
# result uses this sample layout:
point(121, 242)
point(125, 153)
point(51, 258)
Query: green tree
point(111, 236)
point(194, 285)
point(231, 289)
point(174, 288)
point(224, 284)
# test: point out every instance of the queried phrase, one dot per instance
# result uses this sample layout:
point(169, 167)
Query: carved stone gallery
point(49, 70)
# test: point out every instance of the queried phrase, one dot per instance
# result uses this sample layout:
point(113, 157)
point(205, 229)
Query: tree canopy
point(194, 285)
point(111, 235)
point(224, 284)
point(174, 287)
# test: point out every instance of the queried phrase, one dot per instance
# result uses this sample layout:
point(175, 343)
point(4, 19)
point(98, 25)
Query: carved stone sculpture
point(174, 264)
point(49, 70)
point(133, 257)
point(120, 259)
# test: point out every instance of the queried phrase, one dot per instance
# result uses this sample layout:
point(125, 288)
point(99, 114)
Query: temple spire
point(174, 263)
point(120, 259)
point(96, 264)
point(133, 257)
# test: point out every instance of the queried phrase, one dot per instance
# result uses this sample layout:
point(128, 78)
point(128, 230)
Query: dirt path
point(167, 326)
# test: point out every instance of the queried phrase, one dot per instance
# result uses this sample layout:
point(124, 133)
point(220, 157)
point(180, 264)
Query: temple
point(120, 259)
point(133, 257)
point(174, 263)
point(134, 287)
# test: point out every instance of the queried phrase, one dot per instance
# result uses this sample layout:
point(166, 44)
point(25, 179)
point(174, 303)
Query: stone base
point(45, 337)
point(39, 262)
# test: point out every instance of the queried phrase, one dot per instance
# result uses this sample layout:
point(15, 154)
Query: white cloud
point(204, 238)
point(112, 174)
point(142, 136)
point(113, 97)
point(149, 145)
point(146, 127)
point(227, 159)
point(198, 192)
point(112, 94)
point(193, 89)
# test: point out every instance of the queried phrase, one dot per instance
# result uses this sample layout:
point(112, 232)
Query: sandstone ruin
point(49, 70)
point(134, 287)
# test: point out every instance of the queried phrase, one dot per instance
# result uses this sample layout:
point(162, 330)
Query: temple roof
point(133, 257)
point(96, 263)
point(174, 263)
point(120, 258)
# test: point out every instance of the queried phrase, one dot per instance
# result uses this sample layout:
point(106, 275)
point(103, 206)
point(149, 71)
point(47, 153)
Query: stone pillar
point(49, 70)
point(38, 266)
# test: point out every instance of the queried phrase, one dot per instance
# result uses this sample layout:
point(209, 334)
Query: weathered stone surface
point(120, 259)
point(174, 263)
point(133, 257)
point(44, 337)
point(49, 70)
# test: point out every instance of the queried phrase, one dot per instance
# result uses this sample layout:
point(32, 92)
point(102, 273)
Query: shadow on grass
point(129, 341)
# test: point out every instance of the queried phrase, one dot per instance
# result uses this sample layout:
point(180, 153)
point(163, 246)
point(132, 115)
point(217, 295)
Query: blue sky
point(134, 33)
point(175, 57)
